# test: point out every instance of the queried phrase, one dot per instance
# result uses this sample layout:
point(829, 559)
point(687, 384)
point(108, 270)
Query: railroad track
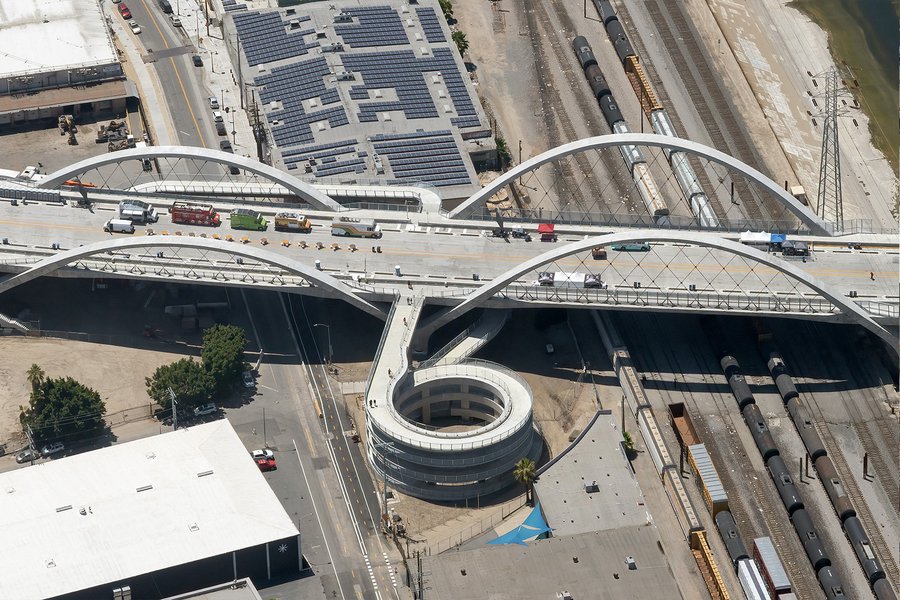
point(664, 99)
point(764, 499)
point(837, 456)
point(557, 119)
point(709, 99)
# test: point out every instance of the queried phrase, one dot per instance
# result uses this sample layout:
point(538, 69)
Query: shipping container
point(708, 479)
point(752, 581)
point(770, 566)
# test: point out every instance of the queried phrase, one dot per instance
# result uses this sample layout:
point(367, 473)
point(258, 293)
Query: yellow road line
point(177, 74)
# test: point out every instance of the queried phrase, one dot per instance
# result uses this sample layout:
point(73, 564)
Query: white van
point(119, 226)
point(137, 211)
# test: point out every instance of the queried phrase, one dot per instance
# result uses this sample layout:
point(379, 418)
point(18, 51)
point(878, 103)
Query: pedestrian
point(872, 275)
point(404, 322)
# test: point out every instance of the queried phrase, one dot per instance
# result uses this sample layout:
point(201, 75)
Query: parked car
point(198, 61)
point(27, 455)
point(124, 11)
point(176, 22)
point(135, 28)
point(52, 448)
point(247, 378)
point(220, 128)
point(225, 146)
point(205, 409)
point(214, 103)
point(549, 348)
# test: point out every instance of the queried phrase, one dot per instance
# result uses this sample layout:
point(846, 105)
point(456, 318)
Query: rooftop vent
point(144, 488)
point(204, 473)
point(64, 508)
point(591, 487)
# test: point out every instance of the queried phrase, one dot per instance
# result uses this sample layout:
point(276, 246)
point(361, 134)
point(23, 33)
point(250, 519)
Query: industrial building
point(57, 57)
point(352, 92)
point(158, 516)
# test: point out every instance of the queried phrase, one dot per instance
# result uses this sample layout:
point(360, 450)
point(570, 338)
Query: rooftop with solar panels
point(356, 92)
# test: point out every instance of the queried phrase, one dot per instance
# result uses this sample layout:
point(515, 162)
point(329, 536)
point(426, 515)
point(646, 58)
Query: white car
point(135, 28)
point(205, 409)
point(247, 378)
point(52, 448)
point(214, 103)
point(266, 453)
point(176, 22)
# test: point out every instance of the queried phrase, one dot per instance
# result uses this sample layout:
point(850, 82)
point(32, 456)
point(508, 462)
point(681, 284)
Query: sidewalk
point(458, 531)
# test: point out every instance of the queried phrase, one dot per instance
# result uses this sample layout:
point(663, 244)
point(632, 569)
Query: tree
point(223, 354)
point(62, 408)
point(446, 8)
point(35, 376)
point(461, 42)
point(524, 472)
point(189, 379)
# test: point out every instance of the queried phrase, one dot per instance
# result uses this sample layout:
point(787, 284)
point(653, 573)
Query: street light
point(330, 349)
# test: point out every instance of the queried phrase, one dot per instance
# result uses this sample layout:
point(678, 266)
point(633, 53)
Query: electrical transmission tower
point(830, 204)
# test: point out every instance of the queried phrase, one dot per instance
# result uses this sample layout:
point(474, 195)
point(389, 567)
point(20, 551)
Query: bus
point(244, 218)
point(348, 226)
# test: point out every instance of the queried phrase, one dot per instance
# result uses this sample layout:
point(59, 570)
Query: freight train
point(632, 155)
point(659, 118)
point(817, 452)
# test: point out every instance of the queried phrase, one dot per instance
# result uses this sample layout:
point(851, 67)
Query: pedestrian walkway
point(471, 340)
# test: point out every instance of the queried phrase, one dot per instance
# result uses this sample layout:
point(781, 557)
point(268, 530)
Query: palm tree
point(462, 44)
point(524, 472)
point(35, 376)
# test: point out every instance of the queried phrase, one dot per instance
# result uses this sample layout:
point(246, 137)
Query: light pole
point(174, 410)
point(328, 330)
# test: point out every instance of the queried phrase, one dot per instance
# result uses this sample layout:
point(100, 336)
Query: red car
point(123, 10)
point(265, 460)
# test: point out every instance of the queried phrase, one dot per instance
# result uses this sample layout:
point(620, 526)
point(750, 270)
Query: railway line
point(765, 516)
point(860, 502)
point(556, 119)
point(705, 92)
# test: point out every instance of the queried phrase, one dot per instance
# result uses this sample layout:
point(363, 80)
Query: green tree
point(629, 442)
point(63, 408)
point(461, 42)
point(189, 379)
point(446, 8)
point(524, 472)
point(35, 376)
point(223, 354)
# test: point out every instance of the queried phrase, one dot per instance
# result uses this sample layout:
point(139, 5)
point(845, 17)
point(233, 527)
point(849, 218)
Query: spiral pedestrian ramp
point(447, 432)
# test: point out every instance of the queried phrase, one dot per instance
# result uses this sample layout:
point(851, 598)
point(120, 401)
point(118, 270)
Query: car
point(122, 7)
point(52, 448)
point(27, 455)
point(265, 459)
point(549, 348)
point(220, 128)
point(176, 22)
point(135, 28)
point(217, 117)
point(214, 103)
point(126, 14)
point(225, 146)
point(198, 61)
point(247, 378)
point(205, 409)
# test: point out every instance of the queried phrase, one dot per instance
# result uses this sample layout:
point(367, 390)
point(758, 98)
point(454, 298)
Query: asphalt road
point(321, 477)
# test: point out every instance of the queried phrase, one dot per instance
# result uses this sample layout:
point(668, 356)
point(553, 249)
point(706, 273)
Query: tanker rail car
point(632, 155)
point(828, 475)
point(659, 118)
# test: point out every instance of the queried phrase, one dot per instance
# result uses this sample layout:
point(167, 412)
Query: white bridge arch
point(479, 295)
point(309, 273)
point(816, 225)
point(302, 189)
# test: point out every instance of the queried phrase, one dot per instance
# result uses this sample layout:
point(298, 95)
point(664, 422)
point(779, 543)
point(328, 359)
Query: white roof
point(49, 35)
point(207, 498)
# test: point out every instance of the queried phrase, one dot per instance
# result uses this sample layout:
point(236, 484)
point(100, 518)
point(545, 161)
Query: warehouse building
point(157, 517)
point(57, 57)
point(359, 92)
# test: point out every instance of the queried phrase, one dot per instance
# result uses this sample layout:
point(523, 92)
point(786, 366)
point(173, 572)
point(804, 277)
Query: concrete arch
point(816, 225)
point(303, 190)
point(478, 296)
point(58, 261)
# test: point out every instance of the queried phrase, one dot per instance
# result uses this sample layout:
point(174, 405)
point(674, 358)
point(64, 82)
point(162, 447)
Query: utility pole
point(830, 202)
point(174, 410)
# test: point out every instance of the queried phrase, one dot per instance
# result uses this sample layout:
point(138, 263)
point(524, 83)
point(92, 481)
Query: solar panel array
point(264, 37)
point(373, 26)
point(405, 72)
point(232, 5)
point(430, 24)
point(428, 156)
point(326, 157)
point(290, 85)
